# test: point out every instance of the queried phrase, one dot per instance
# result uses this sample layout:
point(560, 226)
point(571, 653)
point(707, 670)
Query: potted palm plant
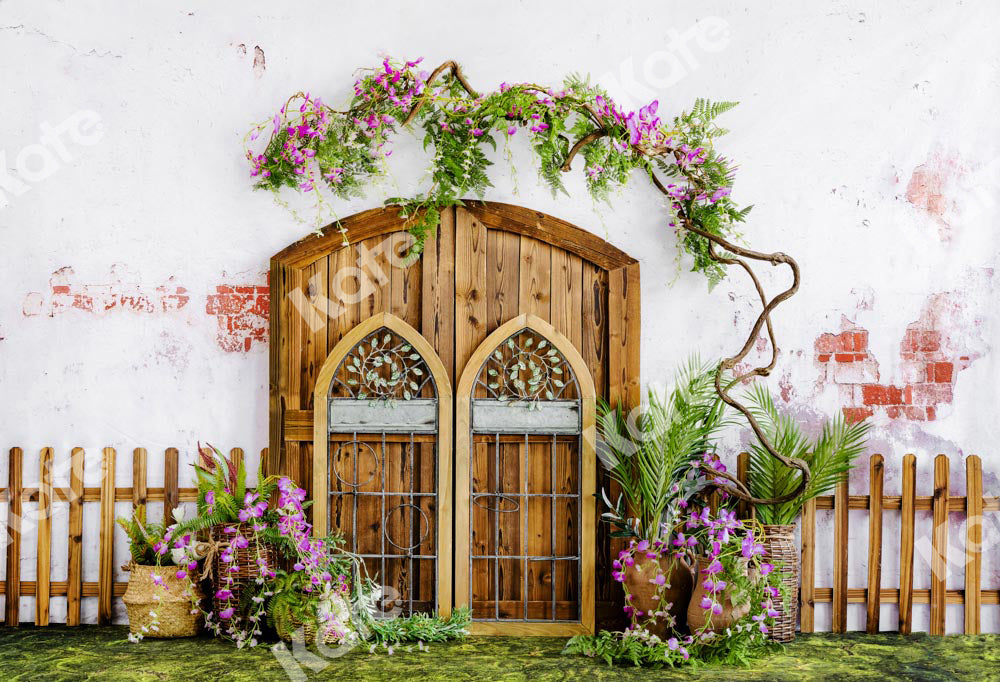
point(830, 458)
point(656, 461)
point(161, 598)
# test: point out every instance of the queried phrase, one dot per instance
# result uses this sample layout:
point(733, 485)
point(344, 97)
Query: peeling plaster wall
point(135, 255)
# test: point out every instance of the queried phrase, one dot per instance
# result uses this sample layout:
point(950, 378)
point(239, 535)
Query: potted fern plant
point(830, 458)
point(161, 598)
point(656, 461)
point(242, 530)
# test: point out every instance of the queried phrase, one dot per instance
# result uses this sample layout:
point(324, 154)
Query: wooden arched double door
point(441, 414)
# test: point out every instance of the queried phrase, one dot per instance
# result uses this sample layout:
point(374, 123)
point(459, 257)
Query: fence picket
point(907, 525)
point(973, 542)
point(171, 493)
point(43, 559)
point(939, 541)
point(13, 587)
point(106, 571)
point(138, 477)
point(876, 472)
point(74, 572)
point(840, 540)
point(806, 613)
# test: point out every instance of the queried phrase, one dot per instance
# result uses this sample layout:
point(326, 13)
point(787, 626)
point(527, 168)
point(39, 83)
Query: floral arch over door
point(382, 460)
point(525, 483)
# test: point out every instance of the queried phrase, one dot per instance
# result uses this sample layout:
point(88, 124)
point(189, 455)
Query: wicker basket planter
point(244, 560)
point(779, 543)
point(172, 609)
point(336, 629)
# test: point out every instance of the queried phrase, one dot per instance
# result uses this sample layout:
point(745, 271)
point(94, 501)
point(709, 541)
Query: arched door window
point(382, 428)
point(525, 503)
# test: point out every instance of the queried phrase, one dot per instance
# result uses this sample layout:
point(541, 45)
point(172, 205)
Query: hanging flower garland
point(322, 151)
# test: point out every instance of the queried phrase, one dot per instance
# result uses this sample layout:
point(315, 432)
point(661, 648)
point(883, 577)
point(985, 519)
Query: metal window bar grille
point(502, 498)
point(416, 535)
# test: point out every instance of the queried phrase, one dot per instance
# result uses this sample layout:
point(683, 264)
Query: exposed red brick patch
point(929, 367)
point(241, 311)
point(123, 292)
point(930, 187)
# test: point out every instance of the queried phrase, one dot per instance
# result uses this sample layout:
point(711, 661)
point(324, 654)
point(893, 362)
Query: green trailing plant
point(419, 627)
point(147, 542)
point(635, 647)
point(830, 457)
point(656, 457)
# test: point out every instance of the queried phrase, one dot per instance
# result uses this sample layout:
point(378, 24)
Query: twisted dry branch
point(738, 256)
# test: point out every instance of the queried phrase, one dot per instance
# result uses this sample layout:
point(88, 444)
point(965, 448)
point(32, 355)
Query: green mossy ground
point(102, 653)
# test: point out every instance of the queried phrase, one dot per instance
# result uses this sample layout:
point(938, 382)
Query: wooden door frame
point(588, 484)
point(321, 439)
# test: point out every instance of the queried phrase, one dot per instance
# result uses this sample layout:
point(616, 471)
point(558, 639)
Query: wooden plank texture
point(171, 492)
point(74, 570)
point(624, 333)
point(876, 472)
point(973, 543)
point(106, 568)
point(907, 526)
point(939, 545)
point(13, 586)
point(138, 477)
point(43, 561)
point(840, 555)
point(808, 586)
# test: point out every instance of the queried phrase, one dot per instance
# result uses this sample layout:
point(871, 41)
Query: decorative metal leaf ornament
point(383, 367)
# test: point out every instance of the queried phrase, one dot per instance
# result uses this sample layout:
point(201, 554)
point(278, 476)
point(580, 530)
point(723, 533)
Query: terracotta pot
point(698, 617)
point(638, 583)
point(168, 602)
point(779, 545)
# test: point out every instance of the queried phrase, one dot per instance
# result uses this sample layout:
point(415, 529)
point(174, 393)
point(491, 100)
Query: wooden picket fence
point(940, 504)
point(75, 496)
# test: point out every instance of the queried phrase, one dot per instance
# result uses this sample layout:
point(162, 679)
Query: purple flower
point(672, 644)
point(226, 614)
point(766, 568)
point(706, 603)
point(181, 574)
point(224, 594)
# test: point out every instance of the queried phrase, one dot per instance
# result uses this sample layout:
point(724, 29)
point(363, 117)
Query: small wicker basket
point(288, 628)
point(172, 609)
point(779, 542)
point(244, 560)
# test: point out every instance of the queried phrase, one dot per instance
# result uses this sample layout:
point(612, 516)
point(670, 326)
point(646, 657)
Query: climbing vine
point(323, 151)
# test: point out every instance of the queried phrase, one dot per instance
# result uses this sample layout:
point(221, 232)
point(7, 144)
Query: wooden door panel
point(487, 264)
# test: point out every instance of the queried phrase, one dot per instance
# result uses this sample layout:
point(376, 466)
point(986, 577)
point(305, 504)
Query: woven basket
point(173, 609)
point(244, 561)
point(288, 628)
point(779, 542)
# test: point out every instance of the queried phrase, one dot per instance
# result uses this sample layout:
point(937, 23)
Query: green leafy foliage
point(419, 627)
point(830, 457)
point(651, 456)
point(143, 537)
point(314, 148)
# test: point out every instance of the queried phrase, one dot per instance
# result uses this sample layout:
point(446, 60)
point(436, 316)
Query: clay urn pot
point(699, 619)
point(642, 588)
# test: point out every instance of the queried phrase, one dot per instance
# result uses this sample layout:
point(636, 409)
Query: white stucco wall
point(866, 138)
